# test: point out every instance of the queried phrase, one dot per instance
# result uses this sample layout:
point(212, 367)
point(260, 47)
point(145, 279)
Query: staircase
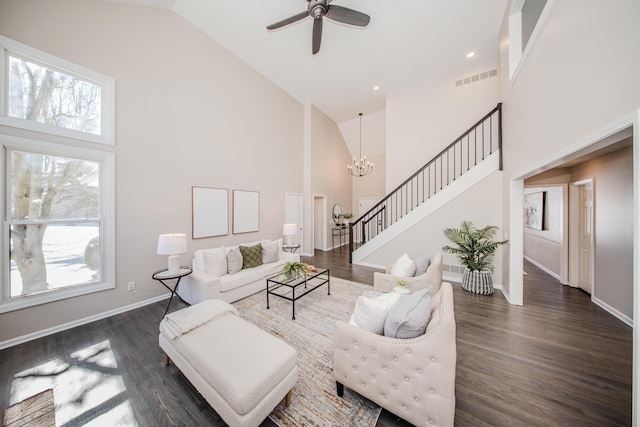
point(467, 159)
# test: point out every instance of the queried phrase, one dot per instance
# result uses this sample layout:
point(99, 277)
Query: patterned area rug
point(314, 401)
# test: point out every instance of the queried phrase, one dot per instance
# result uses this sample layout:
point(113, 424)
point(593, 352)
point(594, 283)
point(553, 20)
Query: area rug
point(314, 401)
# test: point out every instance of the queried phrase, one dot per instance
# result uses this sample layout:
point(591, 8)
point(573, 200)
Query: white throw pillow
point(215, 261)
point(371, 310)
point(269, 251)
point(403, 267)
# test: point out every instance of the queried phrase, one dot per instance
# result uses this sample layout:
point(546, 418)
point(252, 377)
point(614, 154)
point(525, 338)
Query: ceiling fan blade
point(289, 20)
point(347, 16)
point(317, 35)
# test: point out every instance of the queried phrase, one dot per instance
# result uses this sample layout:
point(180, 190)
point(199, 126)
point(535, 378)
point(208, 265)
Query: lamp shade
point(172, 244)
point(289, 229)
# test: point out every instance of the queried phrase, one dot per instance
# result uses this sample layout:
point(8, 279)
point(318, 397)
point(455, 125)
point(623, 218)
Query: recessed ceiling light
point(471, 54)
point(376, 87)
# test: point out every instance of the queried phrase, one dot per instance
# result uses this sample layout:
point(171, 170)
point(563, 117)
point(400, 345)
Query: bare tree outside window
point(54, 218)
point(45, 95)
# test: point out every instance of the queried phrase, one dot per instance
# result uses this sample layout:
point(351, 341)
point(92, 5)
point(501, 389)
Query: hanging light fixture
point(360, 167)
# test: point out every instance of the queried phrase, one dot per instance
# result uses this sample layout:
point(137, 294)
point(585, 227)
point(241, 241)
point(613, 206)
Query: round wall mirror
point(337, 213)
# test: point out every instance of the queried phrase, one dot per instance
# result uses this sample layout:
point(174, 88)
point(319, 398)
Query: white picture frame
point(210, 212)
point(246, 211)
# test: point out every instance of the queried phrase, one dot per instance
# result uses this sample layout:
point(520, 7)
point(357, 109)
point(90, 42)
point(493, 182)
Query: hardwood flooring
point(558, 361)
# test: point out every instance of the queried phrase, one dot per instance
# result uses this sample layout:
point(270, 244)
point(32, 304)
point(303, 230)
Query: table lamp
point(172, 244)
point(289, 230)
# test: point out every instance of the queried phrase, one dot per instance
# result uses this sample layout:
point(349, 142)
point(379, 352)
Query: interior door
point(317, 223)
point(293, 213)
point(585, 237)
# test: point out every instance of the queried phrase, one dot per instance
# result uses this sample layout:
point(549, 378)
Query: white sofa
point(207, 283)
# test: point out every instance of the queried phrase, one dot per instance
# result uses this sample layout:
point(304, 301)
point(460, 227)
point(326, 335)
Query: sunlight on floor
point(87, 388)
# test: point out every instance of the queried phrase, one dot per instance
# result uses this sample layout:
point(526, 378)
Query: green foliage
point(475, 248)
point(402, 283)
point(292, 269)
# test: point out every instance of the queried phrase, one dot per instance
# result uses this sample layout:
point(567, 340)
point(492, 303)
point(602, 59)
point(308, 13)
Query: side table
point(162, 275)
point(290, 248)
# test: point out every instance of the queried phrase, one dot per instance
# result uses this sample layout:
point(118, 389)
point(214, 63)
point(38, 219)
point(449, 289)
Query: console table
point(340, 232)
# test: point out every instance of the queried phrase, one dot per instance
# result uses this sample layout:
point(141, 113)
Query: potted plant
point(402, 287)
point(475, 249)
point(293, 269)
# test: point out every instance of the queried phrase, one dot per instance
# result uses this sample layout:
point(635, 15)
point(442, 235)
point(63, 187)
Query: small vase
point(401, 290)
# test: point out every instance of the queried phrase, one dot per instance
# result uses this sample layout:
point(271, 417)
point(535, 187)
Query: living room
point(190, 113)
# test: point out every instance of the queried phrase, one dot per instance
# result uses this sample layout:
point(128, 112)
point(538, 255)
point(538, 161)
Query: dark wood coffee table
point(284, 288)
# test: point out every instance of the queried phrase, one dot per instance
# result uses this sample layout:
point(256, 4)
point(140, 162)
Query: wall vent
point(477, 77)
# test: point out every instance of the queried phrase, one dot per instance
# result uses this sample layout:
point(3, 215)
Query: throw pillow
point(251, 256)
point(234, 260)
point(269, 252)
point(215, 261)
point(371, 311)
point(403, 267)
point(409, 317)
point(422, 263)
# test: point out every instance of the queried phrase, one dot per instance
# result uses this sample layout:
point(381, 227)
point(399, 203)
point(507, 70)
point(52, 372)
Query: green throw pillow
point(251, 256)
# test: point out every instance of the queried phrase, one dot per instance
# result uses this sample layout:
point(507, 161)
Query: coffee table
point(284, 288)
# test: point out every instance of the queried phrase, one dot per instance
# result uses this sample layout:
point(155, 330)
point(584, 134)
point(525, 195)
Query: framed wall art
point(210, 212)
point(534, 210)
point(246, 211)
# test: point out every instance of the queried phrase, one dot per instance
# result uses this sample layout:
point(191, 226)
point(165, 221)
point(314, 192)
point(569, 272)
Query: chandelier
point(360, 167)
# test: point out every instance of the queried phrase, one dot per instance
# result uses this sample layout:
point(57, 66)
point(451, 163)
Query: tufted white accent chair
point(412, 378)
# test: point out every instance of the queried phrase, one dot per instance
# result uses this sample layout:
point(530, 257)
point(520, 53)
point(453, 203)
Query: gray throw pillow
point(422, 263)
point(408, 318)
point(234, 260)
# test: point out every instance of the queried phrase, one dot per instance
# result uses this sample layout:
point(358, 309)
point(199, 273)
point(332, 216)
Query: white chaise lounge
point(241, 370)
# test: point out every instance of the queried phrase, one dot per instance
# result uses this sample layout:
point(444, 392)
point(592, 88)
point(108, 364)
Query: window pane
point(45, 187)
point(45, 95)
point(47, 257)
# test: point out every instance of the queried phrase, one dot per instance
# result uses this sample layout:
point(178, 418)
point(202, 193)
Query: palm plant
point(294, 269)
point(475, 248)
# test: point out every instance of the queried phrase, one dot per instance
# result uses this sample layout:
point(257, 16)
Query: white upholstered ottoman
point(241, 370)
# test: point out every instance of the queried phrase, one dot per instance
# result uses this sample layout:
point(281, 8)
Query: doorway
point(320, 222)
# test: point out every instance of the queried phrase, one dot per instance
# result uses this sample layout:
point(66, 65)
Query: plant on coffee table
point(294, 269)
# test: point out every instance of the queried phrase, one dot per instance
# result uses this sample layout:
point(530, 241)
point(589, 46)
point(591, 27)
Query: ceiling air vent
point(477, 77)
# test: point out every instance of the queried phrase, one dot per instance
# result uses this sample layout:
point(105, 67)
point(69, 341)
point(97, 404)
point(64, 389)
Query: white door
point(585, 237)
point(293, 213)
point(318, 222)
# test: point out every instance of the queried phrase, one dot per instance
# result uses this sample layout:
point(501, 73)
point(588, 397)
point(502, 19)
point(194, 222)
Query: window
point(58, 231)
point(47, 94)
point(525, 21)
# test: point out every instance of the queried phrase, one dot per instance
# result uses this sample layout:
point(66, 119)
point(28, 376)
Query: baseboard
point(543, 268)
point(79, 322)
point(626, 319)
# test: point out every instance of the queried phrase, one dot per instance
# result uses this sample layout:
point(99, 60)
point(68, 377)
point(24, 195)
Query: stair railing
point(478, 142)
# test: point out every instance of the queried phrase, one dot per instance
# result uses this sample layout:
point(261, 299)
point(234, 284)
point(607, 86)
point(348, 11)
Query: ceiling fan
point(319, 9)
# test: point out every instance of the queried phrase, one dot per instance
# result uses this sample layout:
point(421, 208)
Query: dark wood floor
point(558, 361)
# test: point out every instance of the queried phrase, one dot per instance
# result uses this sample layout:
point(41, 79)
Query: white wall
point(422, 121)
point(613, 193)
point(329, 160)
point(580, 75)
point(187, 113)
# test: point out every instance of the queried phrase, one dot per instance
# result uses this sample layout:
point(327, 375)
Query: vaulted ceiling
point(407, 42)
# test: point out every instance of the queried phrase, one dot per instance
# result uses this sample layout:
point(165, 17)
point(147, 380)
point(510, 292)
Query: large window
point(58, 233)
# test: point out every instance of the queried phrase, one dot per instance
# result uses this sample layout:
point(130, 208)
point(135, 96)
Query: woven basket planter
point(478, 282)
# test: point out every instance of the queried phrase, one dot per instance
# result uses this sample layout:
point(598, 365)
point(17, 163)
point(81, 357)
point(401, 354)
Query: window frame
point(106, 218)
point(517, 54)
point(107, 126)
